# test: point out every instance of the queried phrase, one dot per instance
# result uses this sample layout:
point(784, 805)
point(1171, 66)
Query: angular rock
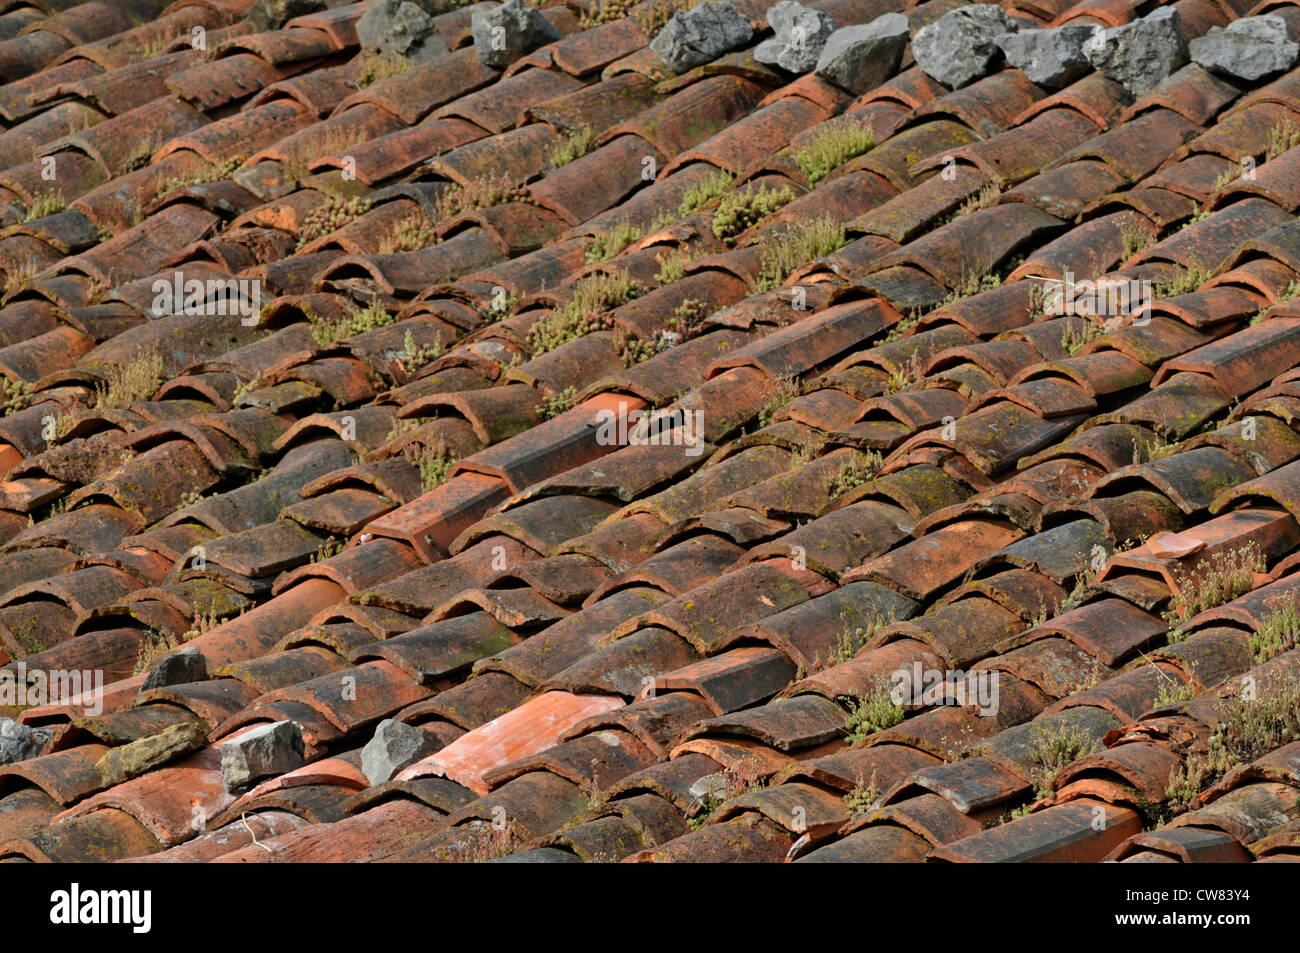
point(505, 33)
point(961, 45)
point(144, 754)
point(801, 32)
point(394, 746)
point(703, 33)
point(401, 28)
point(187, 665)
point(1053, 58)
point(265, 750)
point(18, 742)
point(1247, 49)
point(1140, 54)
point(273, 14)
point(859, 58)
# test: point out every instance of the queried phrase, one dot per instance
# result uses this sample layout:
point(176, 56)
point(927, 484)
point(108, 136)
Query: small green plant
point(871, 713)
point(730, 783)
point(969, 285)
point(400, 428)
point(633, 350)
point(803, 243)
point(204, 621)
point(332, 142)
point(500, 307)
point(434, 463)
point(190, 499)
point(653, 15)
point(244, 389)
point(1283, 136)
point(984, 198)
point(152, 48)
point(1015, 814)
point(1144, 450)
point(1174, 693)
point(15, 395)
point(854, 473)
point(1184, 281)
point(409, 234)
point(482, 192)
point(355, 322)
point(1246, 729)
point(849, 642)
point(45, 203)
point(785, 390)
point(1201, 214)
point(740, 211)
point(605, 247)
point(574, 145)
point(208, 172)
point(1080, 331)
point(1052, 750)
point(905, 375)
point(1091, 679)
point(863, 796)
point(587, 311)
point(16, 279)
point(1217, 579)
point(1288, 294)
point(687, 318)
point(904, 326)
point(835, 144)
point(672, 265)
point(377, 67)
point(414, 356)
point(153, 647)
point(700, 194)
point(1137, 238)
point(557, 404)
point(331, 547)
point(1277, 632)
point(127, 383)
point(482, 842)
point(1082, 581)
point(605, 11)
point(331, 215)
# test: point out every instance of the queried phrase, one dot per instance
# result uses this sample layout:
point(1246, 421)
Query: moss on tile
point(605, 246)
point(1215, 580)
point(127, 383)
point(741, 210)
point(1245, 730)
point(588, 310)
point(575, 144)
point(700, 194)
point(377, 67)
point(356, 321)
point(798, 245)
point(1277, 632)
point(833, 145)
point(331, 215)
point(45, 203)
point(870, 713)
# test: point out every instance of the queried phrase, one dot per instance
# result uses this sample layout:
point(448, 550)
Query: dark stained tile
point(1062, 833)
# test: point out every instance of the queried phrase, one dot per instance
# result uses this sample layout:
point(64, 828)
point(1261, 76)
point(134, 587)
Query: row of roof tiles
point(603, 643)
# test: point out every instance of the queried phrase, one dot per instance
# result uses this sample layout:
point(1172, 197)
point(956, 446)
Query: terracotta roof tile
point(598, 635)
